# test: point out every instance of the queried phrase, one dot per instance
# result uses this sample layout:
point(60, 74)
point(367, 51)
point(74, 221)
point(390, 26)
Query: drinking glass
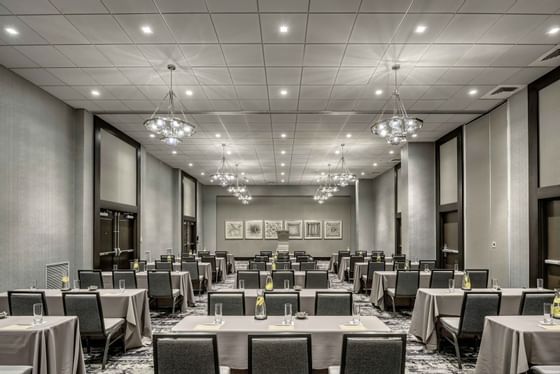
point(115, 267)
point(241, 284)
point(33, 284)
point(540, 283)
point(547, 313)
point(287, 314)
point(286, 284)
point(76, 284)
point(451, 284)
point(218, 314)
point(37, 314)
point(355, 314)
point(495, 284)
point(122, 285)
point(456, 267)
point(426, 268)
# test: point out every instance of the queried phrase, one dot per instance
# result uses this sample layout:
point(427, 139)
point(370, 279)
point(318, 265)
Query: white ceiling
point(233, 58)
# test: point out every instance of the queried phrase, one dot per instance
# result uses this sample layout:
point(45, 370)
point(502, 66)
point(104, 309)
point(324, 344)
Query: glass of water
point(495, 284)
point(547, 308)
point(355, 314)
point(456, 267)
point(241, 284)
point(76, 284)
point(451, 285)
point(115, 267)
point(122, 285)
point(218, 314)
point(286, 284)
point(37, 314)
point(540, 283)
point(287, 314)
point(33, 284)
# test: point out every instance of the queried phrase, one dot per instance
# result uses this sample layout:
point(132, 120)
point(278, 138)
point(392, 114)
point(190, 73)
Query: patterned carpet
point(418, 360)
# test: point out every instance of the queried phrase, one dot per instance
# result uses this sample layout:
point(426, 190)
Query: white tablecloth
point(220, 264)
point(53, 347)
point(299, 277)
point(295, 266)
point(360, 268)
point(326, 336)
point(510, 344)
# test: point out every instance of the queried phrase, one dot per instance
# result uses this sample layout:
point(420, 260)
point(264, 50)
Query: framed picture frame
point(271, 227)
point(294, 228)
point(233, 230)
point(313, 230)
point(332, 230)
point(254, 229)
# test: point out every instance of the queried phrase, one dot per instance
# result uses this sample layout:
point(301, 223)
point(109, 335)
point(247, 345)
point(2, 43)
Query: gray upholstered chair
point(16, 369)
point(406, 285)
point(87, 307)
point(280, 354)
point(129, 277)
point(532, 302)
point(142, 265)
point(20, 303)
point(261, 258)
point(266, 253)
point(216, 273)
point(333, 303)
point(186, 354)
point(372, 353)
point(341, 254)
point(349, 273)
point(479, 277)
point(399, 258)
point(440, 278)
point(251, 278)
point(167, 258)
point(283, 265)
point(316, 279)
point(275, 302)
point(303, 258)
point(161, 289)
point(400, 265)
point(199, 282)
point(257, 265)
point(189, 258)
point(203, 253)
point(233, 303)
point(221, 254)
point(367, 279)
point(164, 265)
point(423, 264)
point(90, 278)
point(476, 307)
point(545, 369)
point(307, 265)
point(299, 253)
point(279, 276)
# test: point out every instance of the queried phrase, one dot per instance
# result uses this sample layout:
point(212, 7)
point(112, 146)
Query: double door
point(117, 240)
point(550, 244)
point(188, 236)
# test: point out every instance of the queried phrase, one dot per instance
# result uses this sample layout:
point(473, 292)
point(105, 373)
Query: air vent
point(502, 92)
point(549, 58)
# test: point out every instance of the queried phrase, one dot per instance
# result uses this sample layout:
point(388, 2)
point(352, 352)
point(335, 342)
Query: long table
point(511, 344)
point(326, 335)
point(299, 278)
point(132, 305)
point(51, 347)
point(204, 268)
point(434, 302)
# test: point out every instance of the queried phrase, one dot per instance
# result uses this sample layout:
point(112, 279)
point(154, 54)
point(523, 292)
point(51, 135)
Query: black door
point(451, 253)
point(116, 240)
point(189, 236)
point(551, 242)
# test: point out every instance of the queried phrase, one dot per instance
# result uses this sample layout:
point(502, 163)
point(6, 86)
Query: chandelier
point(245, 197)
point(326, 189)
point(343, 177)
point(170, 126)
point(400, 125)
point(222, 175)
point(238, 188)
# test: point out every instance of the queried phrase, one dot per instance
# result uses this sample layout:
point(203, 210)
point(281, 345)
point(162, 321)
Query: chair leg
point(393, 302)
point(106, 351)
point(457, 349)
point(173, 307)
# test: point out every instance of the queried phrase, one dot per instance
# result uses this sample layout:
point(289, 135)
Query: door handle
point(550, 261)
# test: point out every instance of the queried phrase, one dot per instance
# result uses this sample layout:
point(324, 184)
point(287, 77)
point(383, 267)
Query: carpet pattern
point(418, 360)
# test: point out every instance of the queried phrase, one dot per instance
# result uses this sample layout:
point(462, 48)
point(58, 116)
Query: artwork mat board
point(227, 232)
point(326, 234)
point(275, 225)
point(257, 224)
point(307, 226)
point(294, 222)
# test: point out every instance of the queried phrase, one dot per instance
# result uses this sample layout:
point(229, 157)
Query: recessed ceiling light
point(242, 173)
point(11, 30)
point(283, 29)
point(147, 30)
point(420, 29)
point(174, 152)
point(363, 173)
point(283, 135)
point(348, 135)
point(322, 173)
point(473, 92)
point(189, 93)
point(375, 164)
point(378, 92)
point(282, 164)
point(95, 93)
point(415, 135)
point(218, 135)
point(552, 31)
point(283, 152)
point(190, 164)
point(228, 152)
point(283, 92)
point(282, 181)
point(202, 173)
point(391, 152)
point(282, 173)
point(152, 135)
point(337, 151)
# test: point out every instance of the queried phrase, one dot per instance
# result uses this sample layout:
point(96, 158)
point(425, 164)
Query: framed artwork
point(294, 228)
point(254, 229)
point(233, 230)
point(271, 227)
point(313, 230)
point(333, 230)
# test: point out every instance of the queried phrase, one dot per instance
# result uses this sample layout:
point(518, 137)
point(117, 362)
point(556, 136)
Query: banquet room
point(279, 186)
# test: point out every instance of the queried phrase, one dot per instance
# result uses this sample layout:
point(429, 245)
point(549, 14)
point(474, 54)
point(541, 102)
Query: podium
point(283, 238)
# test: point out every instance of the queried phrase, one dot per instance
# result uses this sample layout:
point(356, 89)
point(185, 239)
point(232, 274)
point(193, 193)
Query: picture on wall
point(294, 228)
point(254, 229)
point(233, 230)
point(333, 230)
point(313, 230)
point(271, 227)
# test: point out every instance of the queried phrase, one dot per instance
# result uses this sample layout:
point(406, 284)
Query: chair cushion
point(450, 323)
point(334, 369)
point(112, 324)
point(11, 369)
point(545, 369)
point(364, 277)
point(176, 292)
point(224, 370)
point(391, 292)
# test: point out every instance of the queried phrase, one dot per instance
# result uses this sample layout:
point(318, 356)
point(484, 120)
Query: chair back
point(299, 253)
point(211, 260)
point(307, 265)
point(266, 253)
point(333, 303)
point(354, 260)
point(423, 264)
point(142, 265)
point(477, 306)
point(275, 302)
point(192, 268)
point(261, 258)
point(373, 353)
point(185, 353)
point(280, 354)
point(343, 254)
point(159, 284)
point(399, 258)
point(400, 265)
point(373, 267)
point(20, 303)
point(129, 277)
point(233, 303)
point(407, 283)
point(439, 278)
point(283, 257)
point(377, 253)
point(283, 265)
point(316, 279)
point(278, 277)
point(190, 258)
point(479, 277)
point(251, 278)
point(167, 258)
point(257, 265)
point(532, 302)
point(164, 265)
point(203, 253)
point(90, 278)
point(221, 254)
point(303, 258)
point(87, 307)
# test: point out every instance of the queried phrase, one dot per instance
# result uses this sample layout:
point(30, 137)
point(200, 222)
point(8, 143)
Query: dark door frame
point(397, 214)
point(183, 216)
point(537, 195)
point(458, 207)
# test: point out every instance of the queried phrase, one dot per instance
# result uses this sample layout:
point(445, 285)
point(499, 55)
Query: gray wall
point(383, 215)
